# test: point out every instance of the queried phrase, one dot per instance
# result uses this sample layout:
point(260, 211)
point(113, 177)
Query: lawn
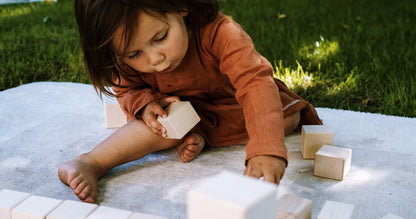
point(344, 54)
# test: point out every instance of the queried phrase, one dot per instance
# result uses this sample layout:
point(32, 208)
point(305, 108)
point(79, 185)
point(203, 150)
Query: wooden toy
point(114, 115)
point(20, 205)
point(180, 120)
point(391, 216)
point(35, 207)
point(10, 199)
point(145, 216)
point(332, 162)
point(72, 209)
point(336, 210)
point(312, 139)
point(229, 195)
point(104, 212)
point(294, 207)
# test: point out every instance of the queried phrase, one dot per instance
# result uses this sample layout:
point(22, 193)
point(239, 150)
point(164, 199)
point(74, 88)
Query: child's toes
point(80, 188)
point(75, 183)
point(85, 193)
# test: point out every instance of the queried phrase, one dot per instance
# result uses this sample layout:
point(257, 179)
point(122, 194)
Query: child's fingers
point(149, 117)
point(167, 100)
point(157, 128)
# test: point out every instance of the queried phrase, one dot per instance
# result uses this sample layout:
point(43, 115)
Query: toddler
point(153, 53)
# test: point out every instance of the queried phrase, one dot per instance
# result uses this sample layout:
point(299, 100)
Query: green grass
point(39, 42)
point(355, 55)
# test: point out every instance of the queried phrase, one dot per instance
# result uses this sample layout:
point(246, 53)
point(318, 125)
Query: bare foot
point(81, 175)
point(191, 147)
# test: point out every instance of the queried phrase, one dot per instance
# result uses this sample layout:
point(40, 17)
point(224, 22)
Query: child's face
point(158, 45)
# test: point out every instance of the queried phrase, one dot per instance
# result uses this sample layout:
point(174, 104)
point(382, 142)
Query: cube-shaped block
point(294, 207)
point(104, 212)
point(10, 199)
point(72, 209)
point(35, 207)
point(336, 210)
point(137, 215)
point(332, 162)
point(114, 115)
point(232, 196)
point(312, 139)
point(180, 120)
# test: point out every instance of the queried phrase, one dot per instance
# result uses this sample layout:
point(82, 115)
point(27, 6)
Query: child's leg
point(291, 122)
point(128, 143)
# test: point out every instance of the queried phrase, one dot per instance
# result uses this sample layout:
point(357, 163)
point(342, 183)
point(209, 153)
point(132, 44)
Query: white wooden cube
point(35, 207)
point(114, 115)
point(72, 209)
point(336, 210)
point(332, 162)
point(180, 120)
point(104, 212)
point(294, 207)
point(138, 215)
point(391, 216)
point(232, 196)
point(312, 139)
point(8, 200)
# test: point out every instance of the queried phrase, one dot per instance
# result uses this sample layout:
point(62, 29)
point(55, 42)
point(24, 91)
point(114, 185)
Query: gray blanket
point(46, 123)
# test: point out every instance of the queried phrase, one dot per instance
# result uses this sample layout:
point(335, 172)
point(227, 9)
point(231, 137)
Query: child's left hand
point(270, 167)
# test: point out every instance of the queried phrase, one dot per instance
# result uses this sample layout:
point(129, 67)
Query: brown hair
point(98, 20)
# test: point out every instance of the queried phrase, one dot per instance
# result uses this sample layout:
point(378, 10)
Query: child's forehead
point(143, 27)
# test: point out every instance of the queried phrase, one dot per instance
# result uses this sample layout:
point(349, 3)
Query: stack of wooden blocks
point(329, 161)
point(21, 205)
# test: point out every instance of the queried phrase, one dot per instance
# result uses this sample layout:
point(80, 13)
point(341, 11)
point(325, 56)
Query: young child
point(157, 52)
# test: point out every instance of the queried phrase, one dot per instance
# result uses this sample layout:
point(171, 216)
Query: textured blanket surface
point(46, 123)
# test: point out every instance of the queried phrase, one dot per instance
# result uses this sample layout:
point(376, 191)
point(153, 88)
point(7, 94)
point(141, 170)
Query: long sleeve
point(252, 76)
point(134, 94)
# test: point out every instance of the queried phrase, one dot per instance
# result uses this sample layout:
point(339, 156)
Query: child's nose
point(156, 58)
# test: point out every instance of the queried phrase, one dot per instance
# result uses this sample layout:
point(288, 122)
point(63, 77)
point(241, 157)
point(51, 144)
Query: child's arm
point(252, 77)
point(134, 94)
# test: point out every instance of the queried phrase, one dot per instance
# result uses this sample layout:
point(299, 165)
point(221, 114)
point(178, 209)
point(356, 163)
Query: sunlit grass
point(320, 51)
point(293, 77)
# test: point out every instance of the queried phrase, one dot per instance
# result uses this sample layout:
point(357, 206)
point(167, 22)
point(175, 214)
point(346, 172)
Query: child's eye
point(133, 55)
point(163, 37)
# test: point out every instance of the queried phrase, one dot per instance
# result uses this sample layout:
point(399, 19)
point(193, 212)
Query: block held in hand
point(180, 120)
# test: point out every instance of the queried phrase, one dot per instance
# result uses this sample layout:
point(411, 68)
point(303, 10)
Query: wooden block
point(104, 212)
point(114, 115)
point(8, 200)
point(35, 207)
point(72, 209)
point(332, 162)
point(294, 207)
point(391, 216)
point(336, 210)
point(137, 215)
point(312, 139)
point(232, 196)
point(180, 120)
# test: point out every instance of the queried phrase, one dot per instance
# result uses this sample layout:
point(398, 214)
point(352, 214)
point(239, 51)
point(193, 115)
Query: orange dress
point(229, 84)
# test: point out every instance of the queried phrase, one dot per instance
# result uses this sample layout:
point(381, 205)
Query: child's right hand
point(155, 108)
